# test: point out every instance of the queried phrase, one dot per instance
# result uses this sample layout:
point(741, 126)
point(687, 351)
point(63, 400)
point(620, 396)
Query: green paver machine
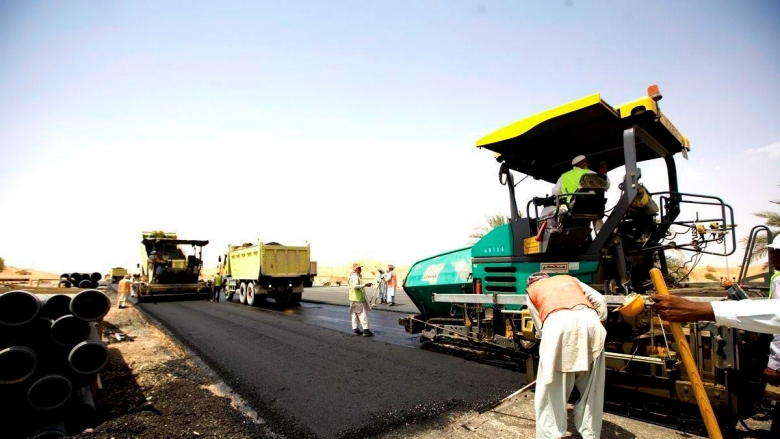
point(475, 297)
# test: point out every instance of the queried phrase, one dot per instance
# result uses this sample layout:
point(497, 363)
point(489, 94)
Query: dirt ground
point(154, 389)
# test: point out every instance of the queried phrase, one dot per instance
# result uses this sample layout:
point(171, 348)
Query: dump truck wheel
point(295, 299)
point(250, 294)
point(229, 297)
point(242, 293)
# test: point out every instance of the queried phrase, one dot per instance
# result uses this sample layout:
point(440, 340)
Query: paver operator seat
point(569, 224)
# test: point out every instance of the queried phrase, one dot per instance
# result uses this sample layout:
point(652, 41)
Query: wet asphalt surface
point(307, 375)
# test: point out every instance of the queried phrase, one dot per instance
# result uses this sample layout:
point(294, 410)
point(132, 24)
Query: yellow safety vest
point(355, 294)
point(570, 181)
point(772, 283)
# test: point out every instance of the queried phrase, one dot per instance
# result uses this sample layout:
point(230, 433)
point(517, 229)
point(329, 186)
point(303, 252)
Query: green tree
point(2, 264)
point(492, 222)
point(772, 220)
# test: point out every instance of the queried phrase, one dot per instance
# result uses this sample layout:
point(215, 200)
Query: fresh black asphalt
point(308, 376)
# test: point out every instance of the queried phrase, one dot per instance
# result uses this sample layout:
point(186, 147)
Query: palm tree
point(773, 222)
point(492, 221)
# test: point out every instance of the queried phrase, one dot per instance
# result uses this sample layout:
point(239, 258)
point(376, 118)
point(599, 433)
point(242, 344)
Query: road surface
point(308, 376)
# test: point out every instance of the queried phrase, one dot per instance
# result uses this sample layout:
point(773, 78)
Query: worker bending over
point(567, 315)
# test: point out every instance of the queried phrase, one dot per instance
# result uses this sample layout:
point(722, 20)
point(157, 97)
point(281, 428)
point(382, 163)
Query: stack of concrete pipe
point(50, 355)
point(80, 280)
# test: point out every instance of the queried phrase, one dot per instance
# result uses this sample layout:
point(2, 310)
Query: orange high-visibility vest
point(557, 293)
point(391, 282)
point(124, 286)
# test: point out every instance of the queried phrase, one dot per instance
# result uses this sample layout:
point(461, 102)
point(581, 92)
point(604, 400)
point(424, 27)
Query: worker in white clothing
point(123, 289)
point(567, 315)
point(392, 282)
point(358, 306)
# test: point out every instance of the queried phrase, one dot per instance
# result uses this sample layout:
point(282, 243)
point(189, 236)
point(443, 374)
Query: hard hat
point(153, 252)
point(775, 245)
point(578, 159)
point(356, 265)
point(632, 305)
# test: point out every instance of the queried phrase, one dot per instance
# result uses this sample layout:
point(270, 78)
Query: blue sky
point(350, 125)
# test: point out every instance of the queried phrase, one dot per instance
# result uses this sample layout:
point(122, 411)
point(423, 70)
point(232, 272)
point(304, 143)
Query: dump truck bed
point(252, 262)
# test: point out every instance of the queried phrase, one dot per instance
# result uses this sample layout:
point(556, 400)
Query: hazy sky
point(348, 124)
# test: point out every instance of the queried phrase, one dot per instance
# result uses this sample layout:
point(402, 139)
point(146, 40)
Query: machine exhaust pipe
point(17, 363)
point(54, 306)
point(89, 356)
point(49, 392)
point(18, 307)
point(90, 305)
point(69, 331)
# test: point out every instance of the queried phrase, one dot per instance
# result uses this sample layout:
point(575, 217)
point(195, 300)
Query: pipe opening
point(18, 307)
point(90, 305)
point(56, 306)
point(88, 357)
point(8, 336)
point(69, 331)
point(49, 392)
point(17, 364)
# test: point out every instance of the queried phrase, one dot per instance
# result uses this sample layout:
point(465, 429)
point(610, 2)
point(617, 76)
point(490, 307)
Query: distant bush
point(710, 269)
point(2, 264)
point(23, 273)
point(710, 276)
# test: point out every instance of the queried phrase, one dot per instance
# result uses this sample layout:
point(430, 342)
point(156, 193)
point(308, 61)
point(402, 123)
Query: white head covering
point(539, 275)
point(775, 245)
point(578, 159)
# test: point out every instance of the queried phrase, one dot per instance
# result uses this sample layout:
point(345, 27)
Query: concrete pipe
point(17, 363)
point(86, 276)
point(52, 431)
point(18, 307)
point(85, 283)
point(8, 336)
point(94, 283)
point(64, 284)
point(69, 331)
point(49, 392)
point(90, 305)
point(89, 356)
point(54, 306)
point(96, 276)
point(75, 278)
point(65, 276)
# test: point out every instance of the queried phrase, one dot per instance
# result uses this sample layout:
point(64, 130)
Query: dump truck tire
point(242, 293)
point(295, 299)
point(250, 294)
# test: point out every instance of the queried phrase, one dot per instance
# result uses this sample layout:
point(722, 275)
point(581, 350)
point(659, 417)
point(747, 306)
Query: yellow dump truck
point(258, 271)
point(170, 268)
point(117, 273)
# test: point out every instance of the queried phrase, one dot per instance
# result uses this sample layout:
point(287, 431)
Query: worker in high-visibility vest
point(772, 371)
point(567, 315)
point(217, 286)
point(392, 282)
point(358, 305)
point(122, 290)
point(569, 182)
